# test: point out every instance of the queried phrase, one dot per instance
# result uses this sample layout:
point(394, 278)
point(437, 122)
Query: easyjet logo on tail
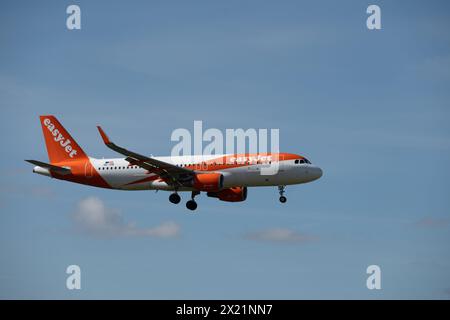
point(58, 137)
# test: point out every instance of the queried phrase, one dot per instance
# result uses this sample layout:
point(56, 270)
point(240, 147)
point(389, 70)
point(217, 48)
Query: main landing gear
point(191, 204)
point(283, 199)
point(175, 198)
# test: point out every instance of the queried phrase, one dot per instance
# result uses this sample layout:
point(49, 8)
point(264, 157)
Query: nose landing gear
point(283, 199)
point(191, 204)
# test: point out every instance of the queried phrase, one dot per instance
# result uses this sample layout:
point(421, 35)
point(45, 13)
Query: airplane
point(225, 177)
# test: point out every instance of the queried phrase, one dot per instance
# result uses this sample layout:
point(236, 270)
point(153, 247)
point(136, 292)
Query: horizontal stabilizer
point(52, 168)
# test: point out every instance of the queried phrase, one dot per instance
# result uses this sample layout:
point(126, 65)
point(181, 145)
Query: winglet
point(104, 136)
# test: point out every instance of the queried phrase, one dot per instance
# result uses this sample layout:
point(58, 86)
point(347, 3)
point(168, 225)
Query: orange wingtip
point(103, 134)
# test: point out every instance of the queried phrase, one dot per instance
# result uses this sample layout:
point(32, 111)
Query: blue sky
point(370, 107)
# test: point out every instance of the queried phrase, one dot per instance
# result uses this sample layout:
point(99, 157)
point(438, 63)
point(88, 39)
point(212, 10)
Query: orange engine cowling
point(235, 194)
point(208, 181)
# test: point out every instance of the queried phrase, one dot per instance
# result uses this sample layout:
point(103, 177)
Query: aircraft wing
point(170, 173)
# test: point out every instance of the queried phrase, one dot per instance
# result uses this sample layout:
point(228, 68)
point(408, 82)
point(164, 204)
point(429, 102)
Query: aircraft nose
point(316, 173)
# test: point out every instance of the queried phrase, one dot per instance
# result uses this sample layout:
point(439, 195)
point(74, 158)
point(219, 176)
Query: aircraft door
point(88, 169)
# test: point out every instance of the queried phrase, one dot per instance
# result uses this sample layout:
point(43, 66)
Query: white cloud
point(92, 216)
point(279, 235)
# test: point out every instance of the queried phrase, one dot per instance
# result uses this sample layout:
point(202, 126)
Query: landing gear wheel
point(191, 205)
point(283, 199)
point(174, 198)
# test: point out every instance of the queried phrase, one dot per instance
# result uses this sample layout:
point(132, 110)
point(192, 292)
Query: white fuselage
point(119, 174)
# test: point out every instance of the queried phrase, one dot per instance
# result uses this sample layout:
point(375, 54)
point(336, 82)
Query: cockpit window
point(304, 160)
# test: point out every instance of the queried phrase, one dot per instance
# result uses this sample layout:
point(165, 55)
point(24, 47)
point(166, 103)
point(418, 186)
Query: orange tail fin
point(61, 147)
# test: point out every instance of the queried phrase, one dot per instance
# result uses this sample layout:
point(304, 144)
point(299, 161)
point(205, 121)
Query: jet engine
point(208, 182)
point(235, 194)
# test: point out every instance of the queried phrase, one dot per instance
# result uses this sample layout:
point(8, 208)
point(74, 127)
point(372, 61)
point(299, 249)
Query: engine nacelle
point(235, 194)
point(208, 182)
